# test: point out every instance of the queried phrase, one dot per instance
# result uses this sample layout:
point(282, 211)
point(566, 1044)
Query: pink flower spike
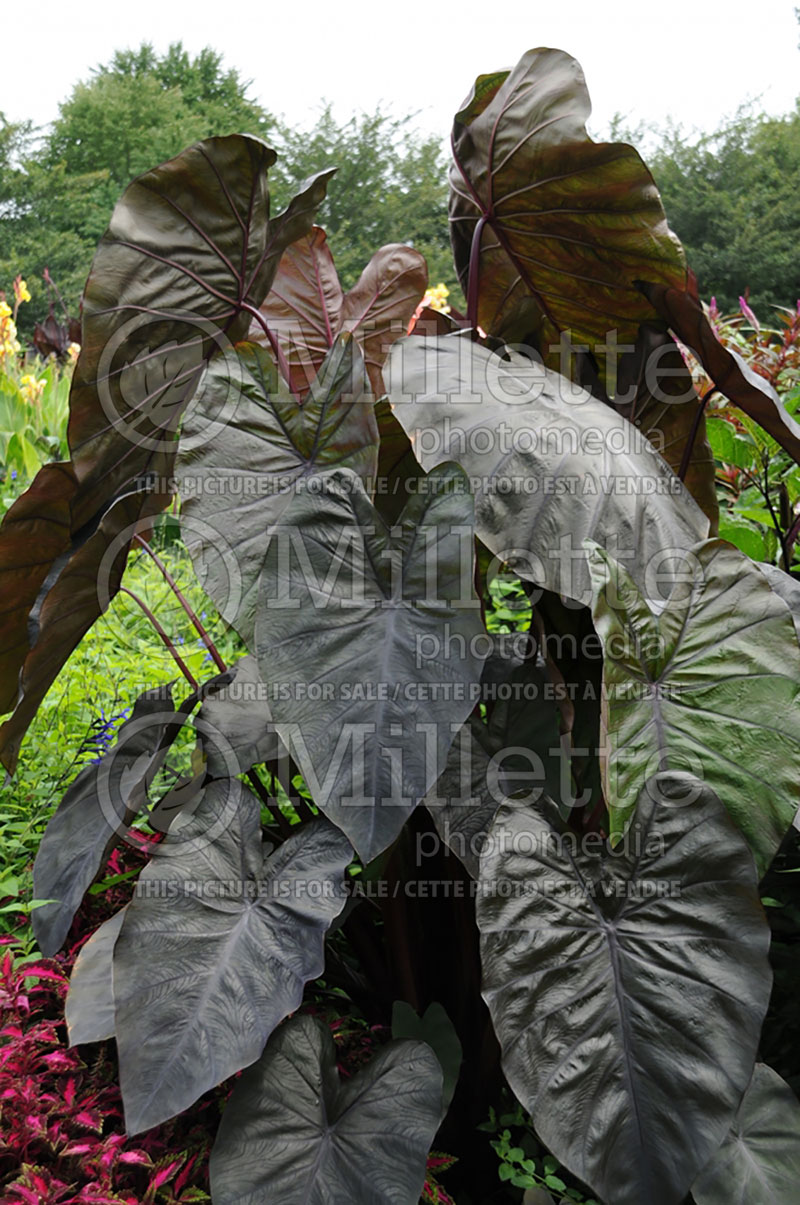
point(749, 315)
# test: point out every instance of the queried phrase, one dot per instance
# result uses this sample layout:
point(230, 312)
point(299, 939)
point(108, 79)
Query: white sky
point(694, 61)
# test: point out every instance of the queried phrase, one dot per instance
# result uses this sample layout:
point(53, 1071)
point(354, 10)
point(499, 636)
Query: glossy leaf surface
point(237, 485)
point(551, 466)
point(294, 1133)
point(711, 686)
point(620, 983)
point(356, 621)
point(759, 1161)
point(216, 948)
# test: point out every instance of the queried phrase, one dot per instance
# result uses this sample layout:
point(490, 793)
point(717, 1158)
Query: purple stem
point(173, 585)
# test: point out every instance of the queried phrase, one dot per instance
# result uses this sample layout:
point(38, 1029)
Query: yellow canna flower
point(32, 388)
point(73, 351)
point(436, 297)
point(5, 309)
point(21, 290)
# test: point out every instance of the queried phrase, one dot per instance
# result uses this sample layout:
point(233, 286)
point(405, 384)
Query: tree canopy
point(58, 189)
point(733, 198)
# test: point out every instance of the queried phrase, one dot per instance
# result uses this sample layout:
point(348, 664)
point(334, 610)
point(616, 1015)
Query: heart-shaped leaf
point(547, 221)
point(237, 485)
point(741, 384)
point(356, 623)
point(549, 464)
point(190, 252)
point(620, 983)
point(306, 308)
point(89, 1006)
point(292, 1132)
point(759, 1161)
point(711, 686)
point(216, 948)
point(303, 308)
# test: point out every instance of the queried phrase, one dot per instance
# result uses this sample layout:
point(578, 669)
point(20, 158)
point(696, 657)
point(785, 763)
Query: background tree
point(390, 187)
point(134, 112)
point(733, 198)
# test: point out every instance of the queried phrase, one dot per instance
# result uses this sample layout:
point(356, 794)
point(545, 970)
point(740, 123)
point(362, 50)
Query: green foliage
point(135, 110)
point(390, 187)
point(522, 1160)
point(733, 200)
point(34, 407)
point(758, 483)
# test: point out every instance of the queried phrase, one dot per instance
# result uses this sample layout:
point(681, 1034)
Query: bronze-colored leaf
point(655, 391)
point(303, 308)
point(550, 230)
point(681, 309)
point(306, 308)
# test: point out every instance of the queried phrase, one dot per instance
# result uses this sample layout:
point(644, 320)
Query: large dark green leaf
point(623, 983)
point(741, 384)
point(365, 633)
point(306, 308)
point(95, 812)
point(549, 465)
point(216, 947)
point(711, 685)
point(759, 1161)
point(89, 1006)
point(293, 1133)
point(236, 486)
point(548, 227)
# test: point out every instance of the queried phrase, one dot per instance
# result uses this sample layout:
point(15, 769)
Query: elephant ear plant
point(388, 807)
